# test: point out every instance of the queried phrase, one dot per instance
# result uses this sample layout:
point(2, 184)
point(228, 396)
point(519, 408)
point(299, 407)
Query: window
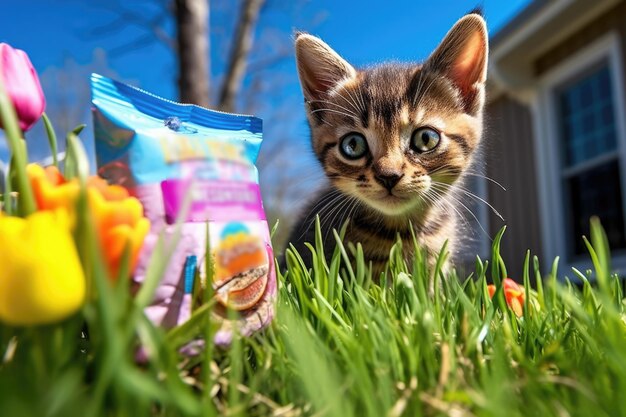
point(579, 130)
point(590, 170)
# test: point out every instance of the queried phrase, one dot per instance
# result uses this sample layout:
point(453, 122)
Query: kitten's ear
point(462, 58)
point(319, 67)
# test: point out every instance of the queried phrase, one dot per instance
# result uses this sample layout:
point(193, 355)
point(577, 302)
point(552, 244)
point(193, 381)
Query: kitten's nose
point(388, 180)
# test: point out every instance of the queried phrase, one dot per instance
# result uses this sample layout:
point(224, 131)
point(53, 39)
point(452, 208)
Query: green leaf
point(52, 139)
point(76, 160)
point(78, 129)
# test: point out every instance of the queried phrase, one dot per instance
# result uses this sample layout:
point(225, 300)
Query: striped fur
point(386, 104)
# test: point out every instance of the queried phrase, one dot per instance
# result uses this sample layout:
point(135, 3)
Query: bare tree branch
point(137, 43)
point(269, 62)
point(192, 20)
point(239, 53)
point(153, 24)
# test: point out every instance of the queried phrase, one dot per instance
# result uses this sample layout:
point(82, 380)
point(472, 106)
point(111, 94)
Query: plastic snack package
point(164, 153)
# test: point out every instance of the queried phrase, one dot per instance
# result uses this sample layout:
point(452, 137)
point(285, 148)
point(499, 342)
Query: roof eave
point(537, 29)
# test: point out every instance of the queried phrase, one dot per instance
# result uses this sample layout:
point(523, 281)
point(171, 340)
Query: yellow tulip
point(41, 279)
point(118, 217)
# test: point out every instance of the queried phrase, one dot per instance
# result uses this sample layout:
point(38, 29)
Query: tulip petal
point(118, 218)
point(22, 85)
point(41, 279)
point(491, 289)
point(513, 293)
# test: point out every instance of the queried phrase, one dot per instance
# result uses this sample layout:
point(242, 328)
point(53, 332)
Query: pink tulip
point(22, 85)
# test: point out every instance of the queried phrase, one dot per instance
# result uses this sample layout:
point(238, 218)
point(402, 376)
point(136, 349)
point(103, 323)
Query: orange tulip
point(514, 294)
point(118, 217)
point(120, 224)
point(51, 190)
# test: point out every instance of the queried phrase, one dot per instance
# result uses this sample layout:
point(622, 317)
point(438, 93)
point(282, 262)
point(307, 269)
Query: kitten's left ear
point(319, 67)
point(462, 58)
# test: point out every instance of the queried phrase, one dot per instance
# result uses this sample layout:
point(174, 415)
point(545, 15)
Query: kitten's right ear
point(319, 67)
point(462, 57)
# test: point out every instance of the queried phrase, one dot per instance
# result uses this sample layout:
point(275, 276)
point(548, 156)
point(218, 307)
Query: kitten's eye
point(353, 146)
point(424, 139)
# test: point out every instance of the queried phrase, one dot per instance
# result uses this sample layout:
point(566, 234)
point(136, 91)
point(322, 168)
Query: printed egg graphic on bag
point(241, 267)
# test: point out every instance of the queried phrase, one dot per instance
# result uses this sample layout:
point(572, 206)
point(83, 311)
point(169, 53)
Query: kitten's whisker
point(426, 90)
point(325, 220)
point(334, 212)
point(469, 194)
point(325, 199)
point(337, 112)
point(442, 171)
point(344, 210)
point(362, 99)
point(443, 206)
point(447, 207)
point(459, 202)
point(329, 206)
point(335, 104)
point(475, 174)
point(348, 102)
point(420, 84)
point(349, 210)
point(336, 202)
point(358, 107)
point(329, 198)
point(355, 205)
point(440, 200)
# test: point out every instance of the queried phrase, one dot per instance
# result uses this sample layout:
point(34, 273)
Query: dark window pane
point(605, 84)
point(586, 113)
point(596, 192)
point(589, 124)
point(586, 93)
point(607, 114)
point(566, 105)
point(608, 141)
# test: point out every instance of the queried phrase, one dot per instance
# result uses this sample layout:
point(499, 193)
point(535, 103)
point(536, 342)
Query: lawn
point(342, 345)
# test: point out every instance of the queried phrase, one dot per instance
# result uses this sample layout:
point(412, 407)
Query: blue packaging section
point(159, 139)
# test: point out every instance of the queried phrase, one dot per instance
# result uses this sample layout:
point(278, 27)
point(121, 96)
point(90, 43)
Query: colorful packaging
point(163, 151)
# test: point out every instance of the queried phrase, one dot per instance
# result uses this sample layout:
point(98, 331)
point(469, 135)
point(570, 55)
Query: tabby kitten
point(394, 141)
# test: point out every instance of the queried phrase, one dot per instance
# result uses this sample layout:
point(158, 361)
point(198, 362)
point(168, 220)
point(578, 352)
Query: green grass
point(420, 343)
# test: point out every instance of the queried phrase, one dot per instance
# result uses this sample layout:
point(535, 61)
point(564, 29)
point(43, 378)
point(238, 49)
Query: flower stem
point(52, 139)
point(20, 159)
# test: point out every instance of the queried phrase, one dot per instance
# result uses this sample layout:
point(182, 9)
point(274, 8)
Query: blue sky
point(52, 30)
point(58, 36)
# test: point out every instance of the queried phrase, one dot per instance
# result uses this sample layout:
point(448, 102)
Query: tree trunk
point(241, 47)
point(192, 20)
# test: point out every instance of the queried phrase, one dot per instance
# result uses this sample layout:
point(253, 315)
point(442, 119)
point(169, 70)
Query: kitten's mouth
point(391, 204)
point(393, 198)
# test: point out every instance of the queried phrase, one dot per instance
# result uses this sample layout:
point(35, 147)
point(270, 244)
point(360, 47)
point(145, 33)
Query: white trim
point(513, 41)
point(546, 143)
point(590, 163)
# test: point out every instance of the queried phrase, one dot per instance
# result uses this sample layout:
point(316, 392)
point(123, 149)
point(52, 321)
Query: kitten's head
point(396, 136)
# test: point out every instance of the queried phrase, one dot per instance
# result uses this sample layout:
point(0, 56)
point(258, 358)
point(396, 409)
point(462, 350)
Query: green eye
point(353, 146)
point(424, 140)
